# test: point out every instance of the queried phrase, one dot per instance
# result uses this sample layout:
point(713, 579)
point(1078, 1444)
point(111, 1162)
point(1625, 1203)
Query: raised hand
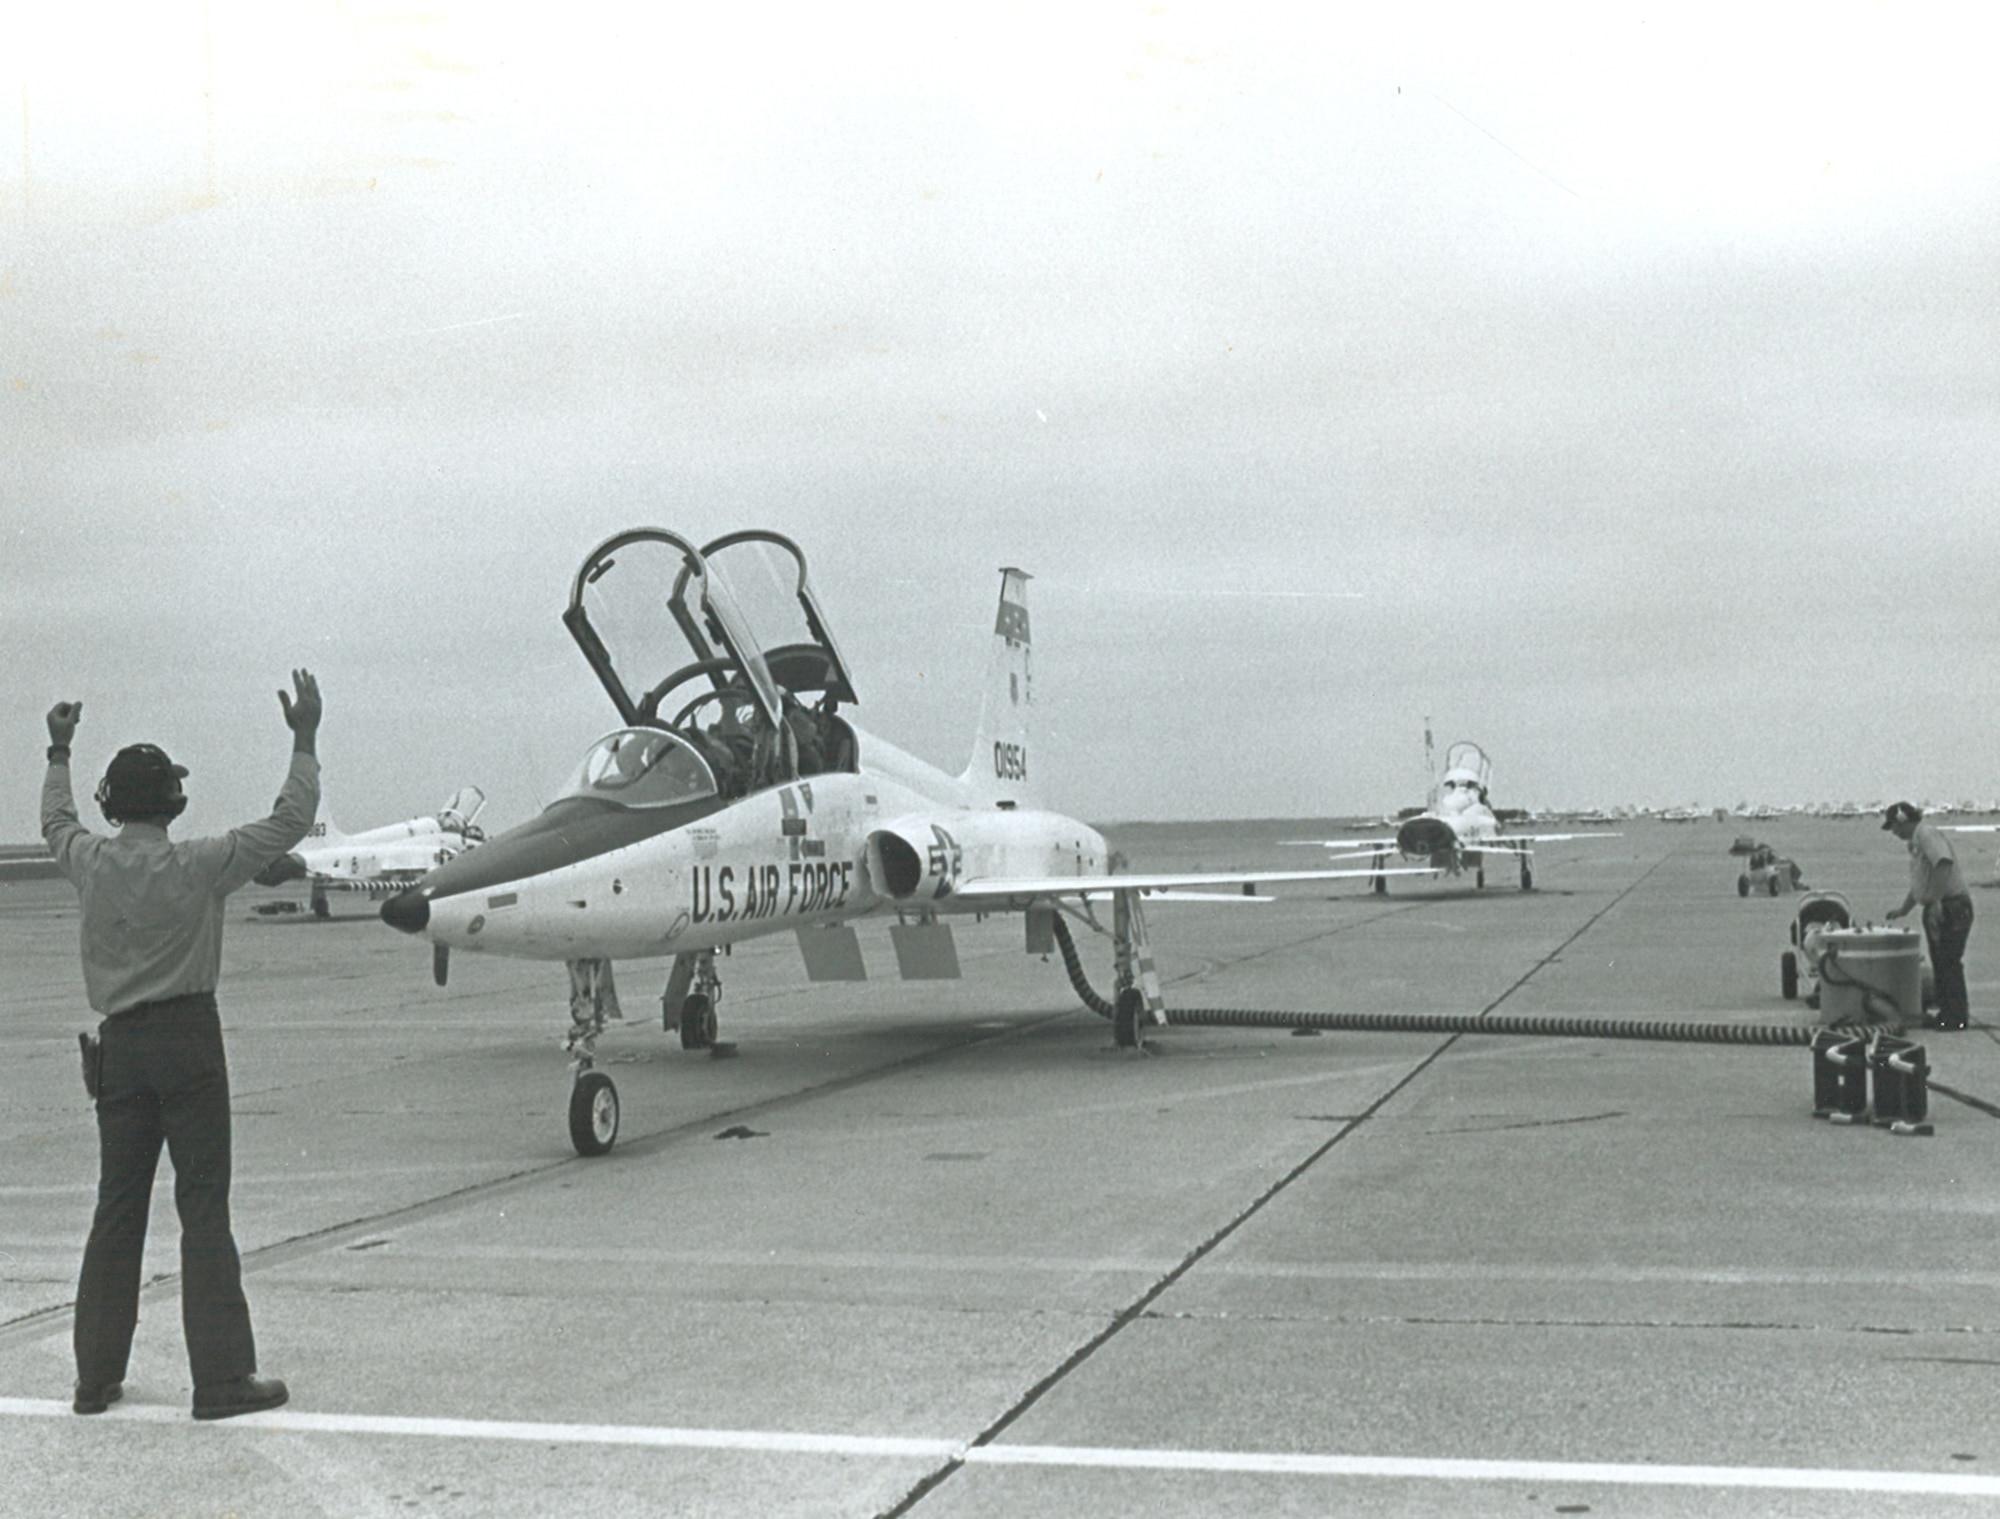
point(303, 713)
point(63, 718)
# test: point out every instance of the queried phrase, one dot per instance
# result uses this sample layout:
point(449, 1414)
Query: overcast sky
point(1615, 386)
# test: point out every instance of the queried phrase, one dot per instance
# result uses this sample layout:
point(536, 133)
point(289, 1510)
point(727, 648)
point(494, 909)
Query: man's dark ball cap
point(1901, 812)
point(140, 782)
point(140, 766)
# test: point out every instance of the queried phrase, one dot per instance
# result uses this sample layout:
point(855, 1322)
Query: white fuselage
point(405, 849)
point(785, 858)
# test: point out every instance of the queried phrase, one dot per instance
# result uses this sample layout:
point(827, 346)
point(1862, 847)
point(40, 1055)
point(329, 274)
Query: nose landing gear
point(593, 1113)
point(593, 1100)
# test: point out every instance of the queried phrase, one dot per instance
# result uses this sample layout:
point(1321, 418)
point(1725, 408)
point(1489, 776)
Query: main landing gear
point(1137, 1003)
point(694, 988)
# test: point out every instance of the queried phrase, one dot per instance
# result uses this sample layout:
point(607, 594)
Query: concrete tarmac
point(938, 1249)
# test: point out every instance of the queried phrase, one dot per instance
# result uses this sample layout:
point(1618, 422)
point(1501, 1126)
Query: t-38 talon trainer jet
point(738, 800)
point(1457, 831)
point(379, 861)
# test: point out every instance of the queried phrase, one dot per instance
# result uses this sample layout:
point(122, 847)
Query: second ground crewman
point(1937, 885)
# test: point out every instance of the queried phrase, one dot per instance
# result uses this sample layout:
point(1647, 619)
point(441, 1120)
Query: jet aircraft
point(1457, 831)
point(379, 861)
point(739, 799)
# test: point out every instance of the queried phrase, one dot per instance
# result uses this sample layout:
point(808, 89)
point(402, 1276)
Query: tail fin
point(1000, 771)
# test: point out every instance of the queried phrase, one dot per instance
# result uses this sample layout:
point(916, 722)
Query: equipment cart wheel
point(1773, 883)
point(593, 1113)
point(1480, 879)
point(1788, 975)
point(1128, 1019)
point(698, 1025)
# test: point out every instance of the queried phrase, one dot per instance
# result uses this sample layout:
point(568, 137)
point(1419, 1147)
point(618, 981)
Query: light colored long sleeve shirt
point(152, 908)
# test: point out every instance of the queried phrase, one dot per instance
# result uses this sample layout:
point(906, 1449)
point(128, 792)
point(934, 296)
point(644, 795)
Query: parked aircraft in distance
point(1457, 831)
point(738, 799)
point(379, 861)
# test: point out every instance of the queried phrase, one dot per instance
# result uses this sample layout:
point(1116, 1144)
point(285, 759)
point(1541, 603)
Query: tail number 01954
point(1010, 761)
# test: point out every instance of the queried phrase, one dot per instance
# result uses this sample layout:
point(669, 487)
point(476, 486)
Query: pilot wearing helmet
point(152, 950)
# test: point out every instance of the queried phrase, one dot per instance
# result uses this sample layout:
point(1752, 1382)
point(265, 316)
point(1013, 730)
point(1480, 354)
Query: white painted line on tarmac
point(1798, 1479)
point(782, 1442)
point(771, 1441)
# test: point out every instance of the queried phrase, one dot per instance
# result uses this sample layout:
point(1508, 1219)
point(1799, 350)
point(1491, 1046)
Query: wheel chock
point(1840, 1076)
point(1902, 1093)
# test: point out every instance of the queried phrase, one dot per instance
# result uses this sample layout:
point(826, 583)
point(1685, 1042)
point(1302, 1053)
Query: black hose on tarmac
point(1543, 1026)
point(1074, 965)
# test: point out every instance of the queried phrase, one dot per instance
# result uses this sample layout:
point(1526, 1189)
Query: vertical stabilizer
point(1002, 769)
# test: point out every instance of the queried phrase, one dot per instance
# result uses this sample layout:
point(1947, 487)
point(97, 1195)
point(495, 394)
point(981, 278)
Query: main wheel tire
point(1742, 886)
point(1788, 975)
point(1527, 879)
point(698, 1023)
point(1128, 1019)
point(1479, 879)
point(593, 1113)
point(1774, 886)
point(1381, 886)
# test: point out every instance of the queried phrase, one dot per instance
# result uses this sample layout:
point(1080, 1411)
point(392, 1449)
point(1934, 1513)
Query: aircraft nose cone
point(408, 910)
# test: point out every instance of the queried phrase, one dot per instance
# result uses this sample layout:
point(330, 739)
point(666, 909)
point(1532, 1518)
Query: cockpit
point(758, 702)
point(641, 767)
point(1466, 773)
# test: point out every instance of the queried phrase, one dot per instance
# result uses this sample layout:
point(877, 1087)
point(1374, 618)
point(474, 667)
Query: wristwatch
point(58, 754)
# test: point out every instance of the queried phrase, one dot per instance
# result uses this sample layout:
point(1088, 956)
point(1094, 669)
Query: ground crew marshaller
point(152, 948)
point(1938, 886)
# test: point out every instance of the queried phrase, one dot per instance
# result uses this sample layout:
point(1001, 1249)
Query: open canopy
point(653, 614)
point(723, 644)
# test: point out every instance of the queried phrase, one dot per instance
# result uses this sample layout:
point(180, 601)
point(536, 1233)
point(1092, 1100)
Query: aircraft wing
point(1184, 884)
point(1344, 843)
point(1507, 841)
point(1971, 828)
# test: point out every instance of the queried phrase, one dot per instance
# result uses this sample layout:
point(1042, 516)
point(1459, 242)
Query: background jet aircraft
point(739, 800)
point(382, 860)
point(1458, 830)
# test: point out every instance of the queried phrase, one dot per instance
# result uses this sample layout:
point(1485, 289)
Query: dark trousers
point(163, 1080)
point(1947, 925)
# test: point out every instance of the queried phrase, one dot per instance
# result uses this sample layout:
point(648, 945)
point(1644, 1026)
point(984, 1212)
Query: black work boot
point(95, 1397)
point(245, 1395)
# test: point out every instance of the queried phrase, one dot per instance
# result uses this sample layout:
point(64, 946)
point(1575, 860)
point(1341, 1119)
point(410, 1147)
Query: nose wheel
point(593, 1113)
